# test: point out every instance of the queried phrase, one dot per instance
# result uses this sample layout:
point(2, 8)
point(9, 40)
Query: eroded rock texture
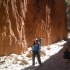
point(46, 18)
point(21, 21)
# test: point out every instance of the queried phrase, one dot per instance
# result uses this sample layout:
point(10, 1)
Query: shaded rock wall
point(21, 21)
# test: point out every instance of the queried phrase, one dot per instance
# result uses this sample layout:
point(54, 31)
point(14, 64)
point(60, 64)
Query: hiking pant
point(38, 57)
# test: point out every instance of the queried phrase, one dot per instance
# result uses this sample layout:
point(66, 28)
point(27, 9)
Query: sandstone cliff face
point(21, 21)
point(47, 19)
point(12, 26)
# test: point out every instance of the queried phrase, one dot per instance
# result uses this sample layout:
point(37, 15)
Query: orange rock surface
point(21, 21)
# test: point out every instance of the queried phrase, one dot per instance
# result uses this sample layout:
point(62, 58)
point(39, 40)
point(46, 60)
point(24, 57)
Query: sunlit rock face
point(21, 21)
point(12, 26)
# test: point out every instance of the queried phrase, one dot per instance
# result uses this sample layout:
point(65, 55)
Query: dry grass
point(24, 61)
point(48, 48)
point(29, 54)
point(42, 53)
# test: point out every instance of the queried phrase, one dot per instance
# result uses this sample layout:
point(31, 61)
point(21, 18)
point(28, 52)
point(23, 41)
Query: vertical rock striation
point(21, 21)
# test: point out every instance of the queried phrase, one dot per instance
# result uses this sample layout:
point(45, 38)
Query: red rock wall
point(46, 19)
point(12, 26)
point(21, 21)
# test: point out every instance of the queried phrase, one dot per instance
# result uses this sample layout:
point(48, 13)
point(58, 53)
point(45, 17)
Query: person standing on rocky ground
point(36, 49)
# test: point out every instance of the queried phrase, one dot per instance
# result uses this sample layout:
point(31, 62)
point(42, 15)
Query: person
point(35, 49)
point(66, 54)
